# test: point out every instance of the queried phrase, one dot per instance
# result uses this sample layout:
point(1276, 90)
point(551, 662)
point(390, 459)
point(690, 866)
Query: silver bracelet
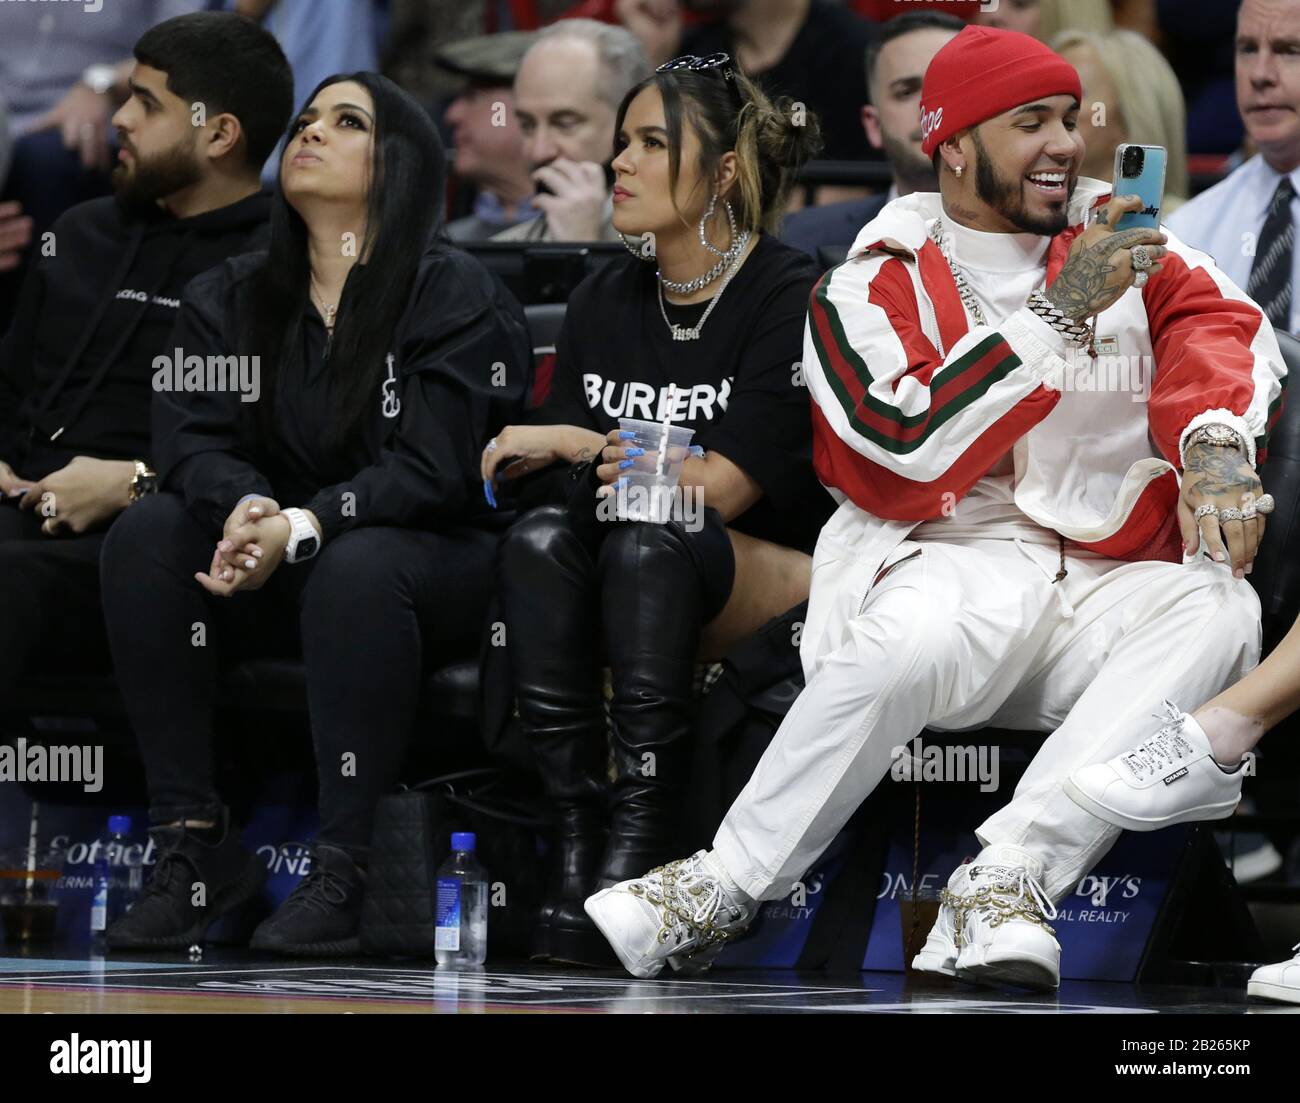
point(1077, 333)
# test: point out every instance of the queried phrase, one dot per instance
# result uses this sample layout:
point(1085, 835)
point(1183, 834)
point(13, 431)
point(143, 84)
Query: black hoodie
point(77, 363)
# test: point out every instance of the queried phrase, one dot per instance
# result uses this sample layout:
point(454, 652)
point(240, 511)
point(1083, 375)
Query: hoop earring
point(731, 221)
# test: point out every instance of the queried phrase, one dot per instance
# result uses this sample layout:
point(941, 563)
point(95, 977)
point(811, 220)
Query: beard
point(1007, 197)
point(138, 189)
point(909, 165)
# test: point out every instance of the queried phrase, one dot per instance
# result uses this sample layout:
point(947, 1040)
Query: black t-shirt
point(740, 386)
point(824, 69)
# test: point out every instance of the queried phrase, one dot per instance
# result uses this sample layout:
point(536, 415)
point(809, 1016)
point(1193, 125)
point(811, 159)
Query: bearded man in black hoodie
point(211, 93)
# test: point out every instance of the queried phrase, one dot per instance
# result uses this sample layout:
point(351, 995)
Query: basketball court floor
point(233, 981)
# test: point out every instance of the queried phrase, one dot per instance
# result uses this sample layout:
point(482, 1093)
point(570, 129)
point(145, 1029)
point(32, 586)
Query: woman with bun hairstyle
point(702, 326)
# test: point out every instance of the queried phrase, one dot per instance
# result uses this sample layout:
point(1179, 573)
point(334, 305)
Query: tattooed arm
point(521, 449)
point(1100, 265)
point(1222, 477)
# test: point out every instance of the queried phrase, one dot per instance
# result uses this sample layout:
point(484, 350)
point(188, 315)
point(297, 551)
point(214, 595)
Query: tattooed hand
point(1222, 477)
point(1100, 265)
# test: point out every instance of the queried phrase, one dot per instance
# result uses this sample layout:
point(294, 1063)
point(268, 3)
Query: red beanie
point(983, 72)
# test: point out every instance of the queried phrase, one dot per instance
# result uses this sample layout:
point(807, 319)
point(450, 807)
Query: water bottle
point(460, 906)
point(117, 875)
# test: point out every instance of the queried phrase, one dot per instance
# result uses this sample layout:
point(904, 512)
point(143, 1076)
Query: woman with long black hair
point(346, 495)
point(703, 327)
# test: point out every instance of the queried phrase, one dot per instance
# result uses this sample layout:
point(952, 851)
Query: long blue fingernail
point(630, 452)
point(626, 434)
point(487, 493)
point(625, 465)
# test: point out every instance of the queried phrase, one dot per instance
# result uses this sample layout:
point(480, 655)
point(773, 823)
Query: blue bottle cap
point(119, 825)
point(463, 840)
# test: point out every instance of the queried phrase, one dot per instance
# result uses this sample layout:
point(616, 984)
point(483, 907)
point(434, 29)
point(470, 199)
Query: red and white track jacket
point(912, 404)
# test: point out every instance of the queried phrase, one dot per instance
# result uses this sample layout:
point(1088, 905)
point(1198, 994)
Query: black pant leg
point(50, 615)
point(378, 608)
point(167, 636)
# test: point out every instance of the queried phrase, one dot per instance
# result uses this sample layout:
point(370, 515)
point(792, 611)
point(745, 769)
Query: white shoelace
point(704, 904)
point(1023, 883)
point(1165, 748)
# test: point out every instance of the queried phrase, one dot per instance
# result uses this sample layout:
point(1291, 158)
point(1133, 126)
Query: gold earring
point(957, 172)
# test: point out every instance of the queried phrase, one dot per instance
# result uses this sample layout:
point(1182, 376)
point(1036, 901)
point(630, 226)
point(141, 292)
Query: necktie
point(1270, 275)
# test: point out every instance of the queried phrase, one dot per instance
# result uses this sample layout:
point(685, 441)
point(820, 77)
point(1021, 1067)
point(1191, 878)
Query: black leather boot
point(651, 605)
point(548, 592)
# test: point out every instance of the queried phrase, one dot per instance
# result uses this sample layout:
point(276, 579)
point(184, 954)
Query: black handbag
point(412, 838)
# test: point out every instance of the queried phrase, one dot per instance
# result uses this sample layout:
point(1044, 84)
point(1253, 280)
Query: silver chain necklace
point(963, 288)
point(689, 287)
point(692, 333)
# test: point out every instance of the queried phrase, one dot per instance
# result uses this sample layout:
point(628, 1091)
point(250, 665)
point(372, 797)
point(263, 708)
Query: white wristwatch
point(303, 541)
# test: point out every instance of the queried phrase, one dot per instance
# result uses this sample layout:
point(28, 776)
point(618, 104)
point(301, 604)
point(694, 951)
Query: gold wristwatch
point(144, 481)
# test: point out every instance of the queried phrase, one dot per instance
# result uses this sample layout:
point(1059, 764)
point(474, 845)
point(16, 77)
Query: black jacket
point(461, 364)
point(93, 315)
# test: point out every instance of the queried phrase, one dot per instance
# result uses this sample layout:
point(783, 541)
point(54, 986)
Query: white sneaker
point(1171, 778)
point(939, 954)
point(1277, 982)
point(994, 917)
point(682, 913)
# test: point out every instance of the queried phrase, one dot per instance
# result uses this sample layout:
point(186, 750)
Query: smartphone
point(1140, 170)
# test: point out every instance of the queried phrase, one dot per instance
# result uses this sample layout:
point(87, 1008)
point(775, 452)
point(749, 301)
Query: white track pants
point(973, 633)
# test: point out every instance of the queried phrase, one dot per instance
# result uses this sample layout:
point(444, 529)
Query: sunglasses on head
point(693, 64)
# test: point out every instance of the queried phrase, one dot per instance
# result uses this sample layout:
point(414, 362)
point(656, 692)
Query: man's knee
point(154, 523)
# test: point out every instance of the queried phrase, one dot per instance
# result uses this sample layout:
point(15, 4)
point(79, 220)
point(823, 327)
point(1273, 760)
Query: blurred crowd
point(524, 91)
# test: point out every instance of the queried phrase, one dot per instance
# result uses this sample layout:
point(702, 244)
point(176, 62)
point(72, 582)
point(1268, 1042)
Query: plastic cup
point(651, 484)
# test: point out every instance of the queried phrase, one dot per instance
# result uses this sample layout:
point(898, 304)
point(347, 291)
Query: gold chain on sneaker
point(670, 909)
point(993, 898)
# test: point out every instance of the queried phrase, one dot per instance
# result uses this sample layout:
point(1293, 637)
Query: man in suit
point(895, 63)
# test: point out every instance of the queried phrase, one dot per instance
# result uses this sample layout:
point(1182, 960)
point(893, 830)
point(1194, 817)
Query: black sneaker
point(164, 916)
point(322, 916)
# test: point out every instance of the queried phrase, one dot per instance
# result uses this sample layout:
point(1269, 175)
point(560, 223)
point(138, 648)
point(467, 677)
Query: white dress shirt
point(1226, 221)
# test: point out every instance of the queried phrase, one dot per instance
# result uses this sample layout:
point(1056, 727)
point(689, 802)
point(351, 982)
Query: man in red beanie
point(1007, 550)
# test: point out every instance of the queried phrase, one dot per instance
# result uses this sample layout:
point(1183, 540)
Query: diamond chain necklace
point(692, 333)
point(963, 288)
